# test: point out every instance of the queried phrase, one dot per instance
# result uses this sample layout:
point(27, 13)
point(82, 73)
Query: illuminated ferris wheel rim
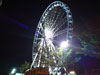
point(42, 19)
point(68, 14)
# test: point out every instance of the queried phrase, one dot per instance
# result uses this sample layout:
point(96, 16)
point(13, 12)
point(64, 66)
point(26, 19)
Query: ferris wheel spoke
point(60, 24)
point(42, 35)
point(38, 39)
point(56, 29)
point(55, 21)
point(58, 17)
point(48, 21)
point(60, 32)
point(52, 18)
point(42, 29)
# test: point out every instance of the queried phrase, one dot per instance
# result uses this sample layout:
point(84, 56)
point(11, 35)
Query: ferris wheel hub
point(48, 33)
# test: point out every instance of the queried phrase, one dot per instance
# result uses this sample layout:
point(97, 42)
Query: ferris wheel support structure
point(55, 24)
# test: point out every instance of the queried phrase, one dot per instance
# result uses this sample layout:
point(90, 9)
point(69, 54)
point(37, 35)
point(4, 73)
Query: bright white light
point(49, 41)
point(13, 71)
point(19, 74)
point(72, 72)
point(48, 33)
point(64, 44)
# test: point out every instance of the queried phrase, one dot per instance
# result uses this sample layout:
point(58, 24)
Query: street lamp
point(72, 73)
point(64, 44)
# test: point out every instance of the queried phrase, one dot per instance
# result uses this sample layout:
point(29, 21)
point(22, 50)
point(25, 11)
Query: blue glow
point(18, 23)
point(25, 26)
point(37, 30)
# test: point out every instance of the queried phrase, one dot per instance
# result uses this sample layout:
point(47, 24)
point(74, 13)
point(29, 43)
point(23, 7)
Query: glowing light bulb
point(64, 44)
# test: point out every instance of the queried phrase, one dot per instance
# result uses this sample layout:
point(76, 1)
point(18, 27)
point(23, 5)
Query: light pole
point(64, 46)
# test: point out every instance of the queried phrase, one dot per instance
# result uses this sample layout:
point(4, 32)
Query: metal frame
point(44, 43)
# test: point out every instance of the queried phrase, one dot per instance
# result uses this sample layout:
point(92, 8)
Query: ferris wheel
point(55, 26)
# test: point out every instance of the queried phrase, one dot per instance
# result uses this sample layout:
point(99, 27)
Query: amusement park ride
point(55, 26)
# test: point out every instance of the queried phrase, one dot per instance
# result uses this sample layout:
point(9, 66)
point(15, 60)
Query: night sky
point(18, 22)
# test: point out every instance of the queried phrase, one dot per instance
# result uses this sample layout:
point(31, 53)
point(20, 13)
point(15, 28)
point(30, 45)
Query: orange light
point(72, 72)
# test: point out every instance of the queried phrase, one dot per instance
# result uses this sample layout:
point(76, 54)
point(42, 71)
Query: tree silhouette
point(24, 67)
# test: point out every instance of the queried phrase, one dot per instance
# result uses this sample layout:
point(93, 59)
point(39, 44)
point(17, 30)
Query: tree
point(24, 66)
point(83, 44)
